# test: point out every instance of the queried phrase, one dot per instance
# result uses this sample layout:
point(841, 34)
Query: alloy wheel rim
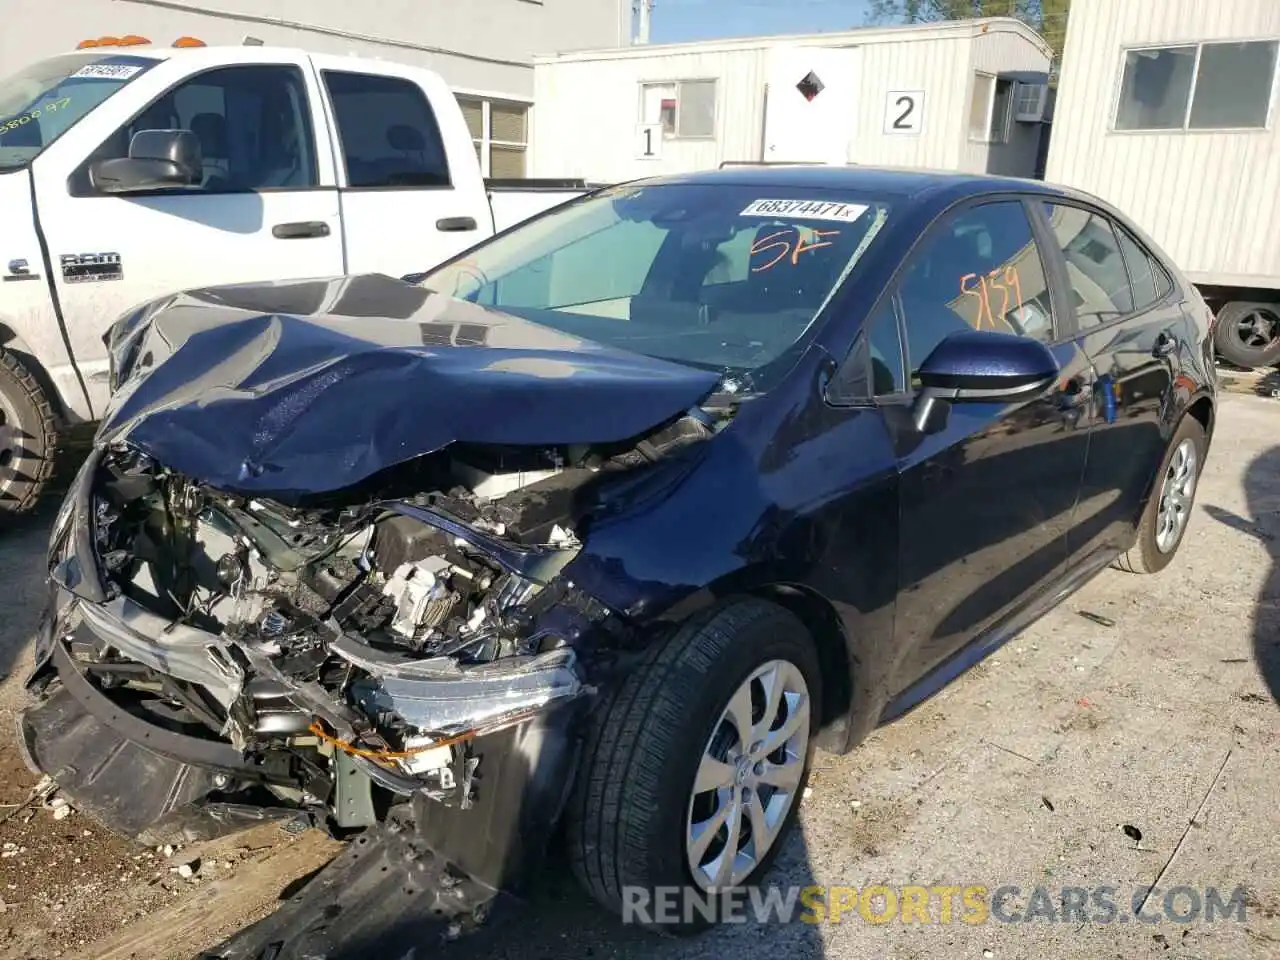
point(1258, 329)
point(10, 447)
point(748, 776)
point(1177, 492)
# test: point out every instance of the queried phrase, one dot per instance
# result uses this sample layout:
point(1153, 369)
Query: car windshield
point(725, 277)
point(42, 101)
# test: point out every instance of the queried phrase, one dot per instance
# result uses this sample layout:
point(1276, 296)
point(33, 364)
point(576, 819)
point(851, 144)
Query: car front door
point(266, 207)
point(987, 499)
point(1129, 324)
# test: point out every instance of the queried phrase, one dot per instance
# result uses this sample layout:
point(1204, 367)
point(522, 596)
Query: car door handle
point(300, 230)
point(1165, 344)
point(456, 224)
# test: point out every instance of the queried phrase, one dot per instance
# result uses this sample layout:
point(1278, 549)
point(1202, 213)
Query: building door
point(809, 107)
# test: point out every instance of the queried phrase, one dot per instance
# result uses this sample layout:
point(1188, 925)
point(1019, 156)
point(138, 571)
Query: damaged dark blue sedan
point(607, 523)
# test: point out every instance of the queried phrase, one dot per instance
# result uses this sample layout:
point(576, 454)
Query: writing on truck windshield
point(44, 100)
point(725, 277)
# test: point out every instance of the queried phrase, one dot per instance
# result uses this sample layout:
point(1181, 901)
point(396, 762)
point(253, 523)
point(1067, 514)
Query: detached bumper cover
point(386, 895)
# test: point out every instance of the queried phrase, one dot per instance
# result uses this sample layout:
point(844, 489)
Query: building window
point(686, 109)
point(1205, 86)
point(989, 108)
point(500, 131)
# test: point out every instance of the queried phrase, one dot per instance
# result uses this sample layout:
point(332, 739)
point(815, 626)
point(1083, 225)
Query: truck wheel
point(1164, 520)
point(694, 766)
point(1248, 334)
point(28, 437)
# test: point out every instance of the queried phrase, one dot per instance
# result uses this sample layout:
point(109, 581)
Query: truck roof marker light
point(86, 44)
point(108, 41)
point(189, 42)
point(133, 40)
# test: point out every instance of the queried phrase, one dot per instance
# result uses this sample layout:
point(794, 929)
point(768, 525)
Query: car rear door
point(985, 501)
point(1130, 324)
point(411, 191)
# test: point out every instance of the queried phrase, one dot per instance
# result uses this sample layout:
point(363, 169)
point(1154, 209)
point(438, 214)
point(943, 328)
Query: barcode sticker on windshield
point(805, 210)
point(107, 71)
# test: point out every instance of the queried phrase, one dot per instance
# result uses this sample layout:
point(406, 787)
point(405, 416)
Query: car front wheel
point(695, 765)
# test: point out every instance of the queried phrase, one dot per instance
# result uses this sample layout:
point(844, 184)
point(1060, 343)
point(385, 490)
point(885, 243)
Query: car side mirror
point(977, 366)
point(158, 160)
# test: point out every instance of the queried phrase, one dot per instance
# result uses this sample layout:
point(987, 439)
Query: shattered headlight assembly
point(72, 558)
point(443, 696)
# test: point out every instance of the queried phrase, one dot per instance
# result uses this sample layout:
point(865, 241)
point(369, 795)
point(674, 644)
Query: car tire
point(28, 437)
point(1172, 500)
point(1247, 334)
point(631, 819)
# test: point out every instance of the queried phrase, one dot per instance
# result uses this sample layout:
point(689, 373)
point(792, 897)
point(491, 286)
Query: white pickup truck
point(130, 172)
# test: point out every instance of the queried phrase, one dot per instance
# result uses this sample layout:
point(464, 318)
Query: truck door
point(412, 194)
point(266, 208)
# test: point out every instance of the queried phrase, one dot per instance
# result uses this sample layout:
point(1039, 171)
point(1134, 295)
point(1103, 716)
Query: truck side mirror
point(158, 160)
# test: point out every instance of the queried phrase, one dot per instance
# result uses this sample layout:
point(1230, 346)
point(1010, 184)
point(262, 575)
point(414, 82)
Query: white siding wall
point(1212, 200)
point(586, 112)
point(935, 65)
point(485, 45)
point(587, 105)
point(1002, 50)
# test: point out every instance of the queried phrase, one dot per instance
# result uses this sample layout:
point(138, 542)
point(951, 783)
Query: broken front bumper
point(157, 786)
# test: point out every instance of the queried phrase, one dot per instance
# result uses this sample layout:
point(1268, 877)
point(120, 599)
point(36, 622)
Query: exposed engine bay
point(377, 631)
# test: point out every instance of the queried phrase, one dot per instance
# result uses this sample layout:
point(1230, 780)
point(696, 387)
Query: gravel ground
point(1131, 737)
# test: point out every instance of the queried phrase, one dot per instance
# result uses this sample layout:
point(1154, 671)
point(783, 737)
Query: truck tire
point(665, 779)
point(1164, 520)
point(28, 438)
point(1247, 333)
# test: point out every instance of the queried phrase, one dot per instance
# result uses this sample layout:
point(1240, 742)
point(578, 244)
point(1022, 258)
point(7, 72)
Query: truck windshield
point(726, 277)
point(42, 101)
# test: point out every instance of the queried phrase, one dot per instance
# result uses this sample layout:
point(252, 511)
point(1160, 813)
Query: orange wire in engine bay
point(347, 747)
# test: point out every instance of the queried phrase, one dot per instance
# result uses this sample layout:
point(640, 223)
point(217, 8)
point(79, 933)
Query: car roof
point(910, 182)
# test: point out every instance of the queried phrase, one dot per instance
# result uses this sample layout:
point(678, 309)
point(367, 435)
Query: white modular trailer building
point(966, 95)
point(1168, 110)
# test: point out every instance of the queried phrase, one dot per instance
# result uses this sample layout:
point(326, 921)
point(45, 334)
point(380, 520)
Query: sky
point(677, 20)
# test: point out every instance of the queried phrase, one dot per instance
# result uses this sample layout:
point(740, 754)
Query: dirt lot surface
point(1131, 737)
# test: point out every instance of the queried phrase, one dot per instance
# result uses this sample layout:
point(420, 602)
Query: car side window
point(1096, 278)
point(253, 123)
point(884, 344)
point(388, 131)
point(1145, 275)
point(979, 269)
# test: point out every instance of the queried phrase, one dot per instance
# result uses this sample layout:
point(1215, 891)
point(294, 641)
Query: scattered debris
point(1234, 660)
point(1161, 939)
point(1097, 618)
point(988, 954)
point(855, 804)
point(808, 792)
point(1048, 804)
point(295, 826)
point(1084, 702)
point(40, 793)
point(1253, 698)
point(62, 810)
point(188, 870)
point(1132, 832)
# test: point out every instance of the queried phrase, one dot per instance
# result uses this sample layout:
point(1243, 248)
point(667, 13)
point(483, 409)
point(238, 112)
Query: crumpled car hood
point(287, 389)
